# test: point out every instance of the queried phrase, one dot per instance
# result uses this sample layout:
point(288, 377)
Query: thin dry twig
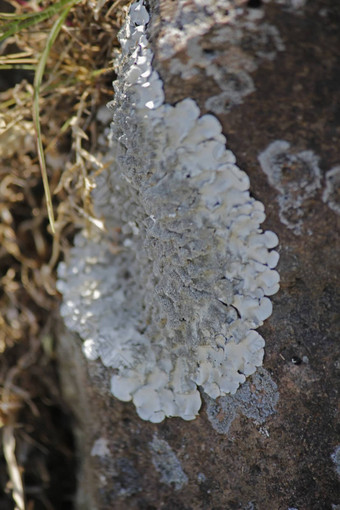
point(36, 117)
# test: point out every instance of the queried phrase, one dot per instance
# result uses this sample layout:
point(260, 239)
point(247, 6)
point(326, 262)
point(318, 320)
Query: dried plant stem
point(8, 441)
point(37, 83)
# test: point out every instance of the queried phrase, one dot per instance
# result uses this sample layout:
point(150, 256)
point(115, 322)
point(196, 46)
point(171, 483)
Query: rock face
point(189, 320)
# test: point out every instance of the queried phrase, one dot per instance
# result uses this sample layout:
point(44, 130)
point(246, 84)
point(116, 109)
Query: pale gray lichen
point(235, 87)
point(127, 480)
point(252, 43)
point(296, 176)
point(100, 448)
point(169, 297)
point(331, 194)
point(291, 5)
point(239, 41)
point(250, 506)
point(167, 464)
point(256, 399)
point(336, 459)
point(191, 20)
point(201, 478)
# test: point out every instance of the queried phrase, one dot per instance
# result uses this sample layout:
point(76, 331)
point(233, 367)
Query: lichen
point(127, 481)
point(256, 399)
point(167, 464)
point(100, 448)
point(253, 42)
point(170, 295)
point(331, 194)
point(290, 5)
point(238, 43)
point(336, 459)
point(296, 177)
point(188, 21)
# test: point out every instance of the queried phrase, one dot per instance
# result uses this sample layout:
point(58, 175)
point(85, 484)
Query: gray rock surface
point(288, 460)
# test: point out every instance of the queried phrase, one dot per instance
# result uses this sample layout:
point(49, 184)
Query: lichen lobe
point(177, 304)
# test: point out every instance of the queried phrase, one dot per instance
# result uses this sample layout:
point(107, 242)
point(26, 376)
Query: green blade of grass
point(36, 86)
point(26, 20)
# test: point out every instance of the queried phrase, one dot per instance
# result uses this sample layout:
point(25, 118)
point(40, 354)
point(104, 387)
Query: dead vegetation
point(38, 464)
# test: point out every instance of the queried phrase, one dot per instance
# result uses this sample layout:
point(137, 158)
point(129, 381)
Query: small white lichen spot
point(167, 464)
point(331, 194)
point(170, 295)
point(290, 5)
point(296, 176)
point(100, 448)
point(336, 459)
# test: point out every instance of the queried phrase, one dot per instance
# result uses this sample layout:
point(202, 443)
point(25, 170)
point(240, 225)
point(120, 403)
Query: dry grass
point(38, 451)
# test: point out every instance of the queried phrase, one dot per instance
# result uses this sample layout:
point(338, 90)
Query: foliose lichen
point(170, 295)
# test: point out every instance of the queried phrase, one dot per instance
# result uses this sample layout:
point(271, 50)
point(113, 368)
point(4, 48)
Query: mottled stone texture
point(286, 461)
